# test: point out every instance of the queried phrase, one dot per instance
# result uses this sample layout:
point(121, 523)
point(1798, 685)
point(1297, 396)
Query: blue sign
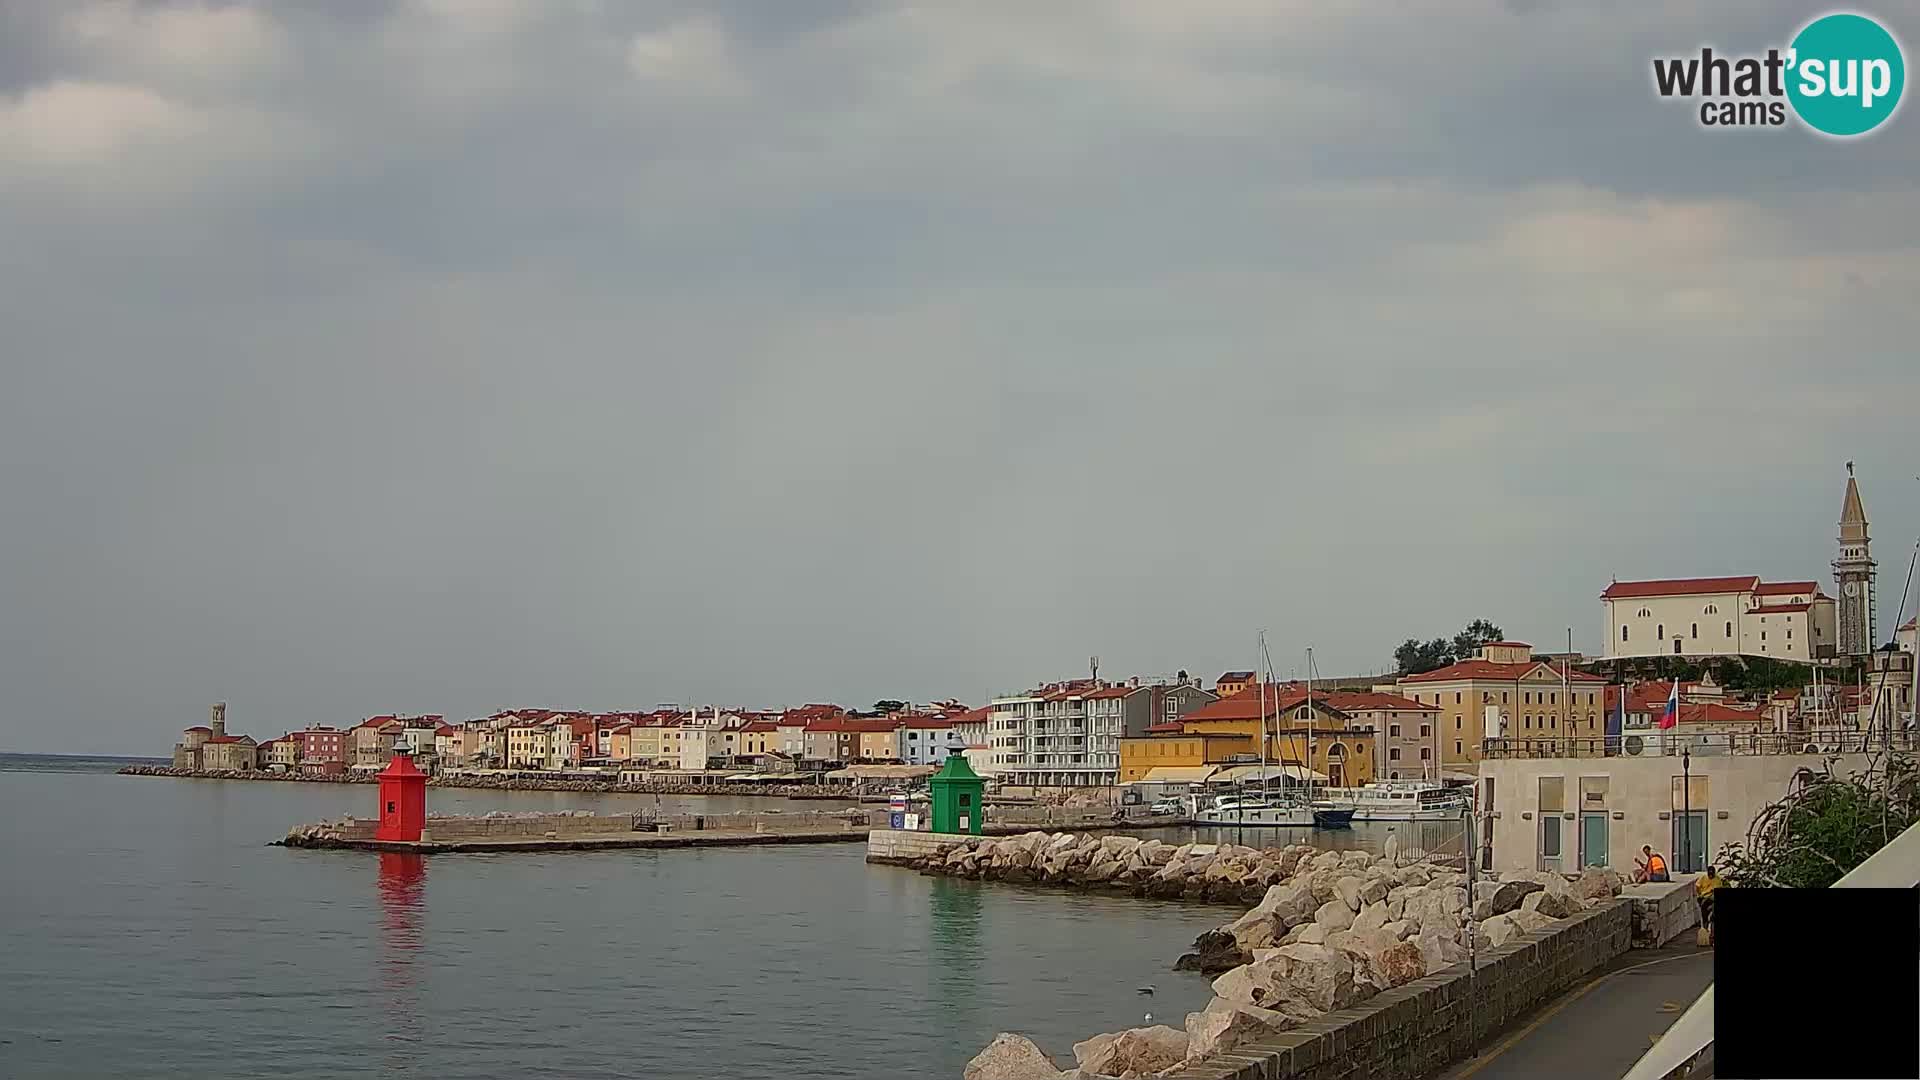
point(897, 821)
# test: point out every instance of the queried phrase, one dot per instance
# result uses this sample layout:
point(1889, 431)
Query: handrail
point(1895, 866)
point(1703, 744)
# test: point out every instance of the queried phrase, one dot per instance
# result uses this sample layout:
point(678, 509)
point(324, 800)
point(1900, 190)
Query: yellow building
point(879, 745)
point(759, 738)
point(1506, 692)
point(1296, 732)
point(529, 744)
point(1174, 749)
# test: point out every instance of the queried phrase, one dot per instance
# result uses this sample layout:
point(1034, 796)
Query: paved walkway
point(1599, 1029)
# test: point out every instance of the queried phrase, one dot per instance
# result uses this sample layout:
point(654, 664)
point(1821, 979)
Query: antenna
point(1093, 662)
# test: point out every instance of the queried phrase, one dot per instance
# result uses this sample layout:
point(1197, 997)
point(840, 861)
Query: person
point(1649, 867)
point(1703, 891)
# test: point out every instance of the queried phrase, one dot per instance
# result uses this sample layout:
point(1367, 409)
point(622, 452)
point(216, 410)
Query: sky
point(446, 356)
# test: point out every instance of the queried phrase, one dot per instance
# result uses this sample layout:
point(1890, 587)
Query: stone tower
point(217, 718)
point(1853, 572)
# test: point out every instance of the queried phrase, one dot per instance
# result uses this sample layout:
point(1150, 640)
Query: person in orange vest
point(1651, 867)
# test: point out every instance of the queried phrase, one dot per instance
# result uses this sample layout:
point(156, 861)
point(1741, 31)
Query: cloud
point(445, 356)
point(90, 124)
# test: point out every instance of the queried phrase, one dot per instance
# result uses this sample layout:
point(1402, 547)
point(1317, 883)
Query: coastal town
point(1735, 676)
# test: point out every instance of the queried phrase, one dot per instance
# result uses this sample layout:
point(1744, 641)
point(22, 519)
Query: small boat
point(1397, 800)
point(1277, 811)
point(1326, 816)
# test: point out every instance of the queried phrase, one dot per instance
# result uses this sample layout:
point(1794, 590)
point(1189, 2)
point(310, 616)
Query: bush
point(1825, 826)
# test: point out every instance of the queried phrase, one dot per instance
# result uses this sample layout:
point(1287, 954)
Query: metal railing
point(1668, 744)
point(1892, 867)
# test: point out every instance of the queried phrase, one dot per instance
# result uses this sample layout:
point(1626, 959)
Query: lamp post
point(1686, 808)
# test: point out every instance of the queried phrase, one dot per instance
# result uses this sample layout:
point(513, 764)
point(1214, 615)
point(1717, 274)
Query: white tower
point(1854, 573)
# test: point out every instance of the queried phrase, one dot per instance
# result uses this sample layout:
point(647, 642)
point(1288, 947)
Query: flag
point(1616, 721)
point(1672, 715)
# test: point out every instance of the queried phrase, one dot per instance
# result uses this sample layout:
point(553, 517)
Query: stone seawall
point(1331, 932)
point(1662, 911)
point(501, 827)
point(515, 783)
point(1415, 1030)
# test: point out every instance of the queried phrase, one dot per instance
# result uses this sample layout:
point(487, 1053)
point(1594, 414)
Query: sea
point(148, 929)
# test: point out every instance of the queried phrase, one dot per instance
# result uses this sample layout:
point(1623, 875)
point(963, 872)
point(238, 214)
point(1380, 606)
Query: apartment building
point(1067, 734)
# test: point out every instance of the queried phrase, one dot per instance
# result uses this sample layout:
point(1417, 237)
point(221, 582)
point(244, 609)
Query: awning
point(1178, 774)
point(1242, 774)
point(884, 772)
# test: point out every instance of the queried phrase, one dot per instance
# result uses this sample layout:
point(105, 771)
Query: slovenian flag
point(1672, 715)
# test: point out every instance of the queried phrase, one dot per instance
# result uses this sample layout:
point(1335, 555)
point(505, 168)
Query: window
point(1426, 730)
point(1789, 633)
point(1456, 697)
point(1553, 699)
point(1503, 697)
point(1456, 748)
point(1660, 630)
point(1393, 730)
point(1426, 753)
point(1623, 633)
point(1456, 724)
point(1711, 609)
point(1696, 629)
point(1529, 721)
point(1763, 635)
point(1645, 613)
point(1729, 631)
point(1393, 754)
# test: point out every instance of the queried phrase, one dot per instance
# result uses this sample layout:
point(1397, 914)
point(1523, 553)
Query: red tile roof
point(1776, 609)
point(1234, 676)
point(1487, 669)
point(929, 723)
point(1623, 590)
point(1167, 725)
point(1509, 645)
point(231, 738)
point(1786, 588)
point(762, 725)
point(1246, 705)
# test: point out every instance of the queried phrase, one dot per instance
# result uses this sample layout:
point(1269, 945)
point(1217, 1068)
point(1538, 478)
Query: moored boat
point(1396, 800)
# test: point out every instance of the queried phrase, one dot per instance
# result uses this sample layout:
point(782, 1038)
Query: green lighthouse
point(958, 793)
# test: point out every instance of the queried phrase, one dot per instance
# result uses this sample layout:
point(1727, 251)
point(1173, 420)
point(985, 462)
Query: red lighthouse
point(403, 801)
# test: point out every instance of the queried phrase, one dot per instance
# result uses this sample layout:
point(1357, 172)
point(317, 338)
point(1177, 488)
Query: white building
point(1719, 616)
point(1068, 734)
point(927, 740)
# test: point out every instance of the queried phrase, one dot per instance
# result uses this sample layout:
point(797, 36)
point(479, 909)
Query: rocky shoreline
point(1328, 930)
point(517, 783)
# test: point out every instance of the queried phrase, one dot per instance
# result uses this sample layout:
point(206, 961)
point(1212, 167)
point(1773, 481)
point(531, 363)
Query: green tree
point(1825, 826)
point(1415, 656)
point(888, 705)
point(1466, 643)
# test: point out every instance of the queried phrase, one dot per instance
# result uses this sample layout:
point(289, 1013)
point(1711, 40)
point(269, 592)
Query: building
point(1170, 757)
point(929, 740)
point(1297, 727)
point(373, 741)
point(208, 747)
point(1719, 616)
point(1406, 733)
point(323, 750)
point(1504, 691)
point(281, 754)
point(450, 746)
point(1067, 734)
point(1855, 575)
point(528, 742)
point(1232, 682)
point(1561, 813)
point(760, 738)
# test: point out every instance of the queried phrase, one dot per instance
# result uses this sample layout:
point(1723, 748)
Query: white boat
point(1398, 800)
point(1258, 810)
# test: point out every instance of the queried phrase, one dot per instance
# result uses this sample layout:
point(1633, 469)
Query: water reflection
point(957, 950)
point(403, 889)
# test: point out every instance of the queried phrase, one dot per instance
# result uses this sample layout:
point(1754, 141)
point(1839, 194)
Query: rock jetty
point(1328, 930)
point(490, 782)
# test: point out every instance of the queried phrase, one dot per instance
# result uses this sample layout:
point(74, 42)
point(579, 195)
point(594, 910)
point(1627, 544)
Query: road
point(1599, 1029)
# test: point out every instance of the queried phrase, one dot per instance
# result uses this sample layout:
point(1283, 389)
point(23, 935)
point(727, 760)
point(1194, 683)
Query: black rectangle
point(1816, 983)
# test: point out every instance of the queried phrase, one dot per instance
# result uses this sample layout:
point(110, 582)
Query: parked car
point(1165, 806)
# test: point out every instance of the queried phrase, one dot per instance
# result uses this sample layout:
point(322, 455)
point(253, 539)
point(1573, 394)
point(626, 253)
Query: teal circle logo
point(1845, 74)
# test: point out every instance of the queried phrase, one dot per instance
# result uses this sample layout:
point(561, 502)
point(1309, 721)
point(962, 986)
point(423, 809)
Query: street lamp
point(1686, 808)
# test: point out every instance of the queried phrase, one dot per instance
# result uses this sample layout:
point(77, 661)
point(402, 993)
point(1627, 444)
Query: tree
point(886, 706)
point(1466, 643)
point(1415, 656)
point(1825, 826)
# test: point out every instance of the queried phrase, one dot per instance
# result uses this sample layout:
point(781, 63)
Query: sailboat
point(1326, 815)
point(1262, 808)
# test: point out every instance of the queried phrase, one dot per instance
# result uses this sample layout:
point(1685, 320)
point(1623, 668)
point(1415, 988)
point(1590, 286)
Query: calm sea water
point(146, 930)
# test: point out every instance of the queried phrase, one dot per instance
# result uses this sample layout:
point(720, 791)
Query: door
point(1689, 841)
point(1550, 842)
point(1593, 840)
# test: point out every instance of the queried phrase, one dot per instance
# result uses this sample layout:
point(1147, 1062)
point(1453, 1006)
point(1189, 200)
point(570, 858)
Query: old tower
point(1853, 572)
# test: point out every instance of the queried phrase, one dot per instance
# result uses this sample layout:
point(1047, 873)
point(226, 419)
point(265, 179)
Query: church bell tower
point(1853, 572)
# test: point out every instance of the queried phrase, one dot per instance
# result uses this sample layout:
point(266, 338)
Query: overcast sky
point(443, 356)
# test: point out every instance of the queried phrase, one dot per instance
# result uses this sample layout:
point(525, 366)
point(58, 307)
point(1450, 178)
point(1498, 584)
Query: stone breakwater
point(516, 783)
point(1329, 930)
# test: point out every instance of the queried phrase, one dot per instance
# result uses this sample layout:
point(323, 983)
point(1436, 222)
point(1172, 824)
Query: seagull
point(1147, 989)
point(1147, 1018)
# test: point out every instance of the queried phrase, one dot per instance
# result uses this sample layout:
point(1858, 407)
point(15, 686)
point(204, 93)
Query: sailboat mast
point(1309, 722)
point(1261, 677)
